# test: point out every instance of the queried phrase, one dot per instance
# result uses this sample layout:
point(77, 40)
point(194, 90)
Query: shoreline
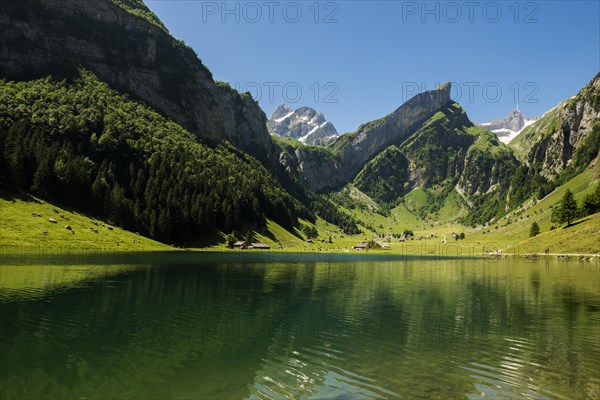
point(35, 254)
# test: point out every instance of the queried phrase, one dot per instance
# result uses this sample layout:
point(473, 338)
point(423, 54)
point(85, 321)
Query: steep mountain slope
point(550, 145)
point(86, 146)
point(386, 177)
point(553, 150)
point(304, 124)
point(509, 127)
point(447, 150)
point(126, 46)
point(325, 171)
point(356, 149)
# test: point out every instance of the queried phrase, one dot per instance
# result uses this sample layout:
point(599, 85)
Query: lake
point(196, 326)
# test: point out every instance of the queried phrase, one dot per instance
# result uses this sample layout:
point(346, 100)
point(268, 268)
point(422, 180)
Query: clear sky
point(358, 60)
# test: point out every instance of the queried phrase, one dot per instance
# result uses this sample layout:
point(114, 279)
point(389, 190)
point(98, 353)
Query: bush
point(371, 244)
point(310, 231)
point(230, 240)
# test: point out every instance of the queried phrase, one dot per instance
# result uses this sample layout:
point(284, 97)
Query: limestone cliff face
point(376, 136)
point(448, 149)
point(550, 143)
point(487, 164)
point(349, 154)
point(134, 54)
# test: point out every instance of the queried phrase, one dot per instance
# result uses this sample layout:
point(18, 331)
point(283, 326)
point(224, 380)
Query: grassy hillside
point(386, 176)
point(82, 144)
point(21, 230)
point(512, 230)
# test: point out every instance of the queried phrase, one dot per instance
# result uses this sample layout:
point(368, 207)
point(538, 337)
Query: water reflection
point(181, 328)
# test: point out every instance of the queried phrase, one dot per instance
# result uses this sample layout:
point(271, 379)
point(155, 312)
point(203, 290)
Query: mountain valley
point(125, 124)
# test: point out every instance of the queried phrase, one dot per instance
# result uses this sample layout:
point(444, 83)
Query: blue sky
point(358, 60)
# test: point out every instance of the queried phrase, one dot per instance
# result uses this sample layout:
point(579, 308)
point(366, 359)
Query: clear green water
point(195, 326)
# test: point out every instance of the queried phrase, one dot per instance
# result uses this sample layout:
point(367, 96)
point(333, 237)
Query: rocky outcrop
point(305, 124)
point(124, 45)
point(554, 139)
point(446, 150)
point(319, 170)
point(340, 162)
point(356, 149)
point(487, 164)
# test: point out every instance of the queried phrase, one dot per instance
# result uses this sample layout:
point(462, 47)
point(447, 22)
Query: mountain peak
point(444, 87)
point(508, 128)
point(281, 111)
point(306, 124)
point(431, 99)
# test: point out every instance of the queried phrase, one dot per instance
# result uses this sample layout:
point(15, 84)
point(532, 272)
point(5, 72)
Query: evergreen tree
point(534, 230)
point(44, 180)
point(310, 231)
point(567, 209)
point(249, 238)
point(591, 202)
point(230, 240)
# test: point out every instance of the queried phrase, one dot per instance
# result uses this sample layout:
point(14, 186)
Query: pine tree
point(248, 238)
point(534, 230)
point(44, 179)
point(591, 203)
point(230, 240)
point(567, 209)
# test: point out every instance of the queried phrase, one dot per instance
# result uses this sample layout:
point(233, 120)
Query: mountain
point(304, 124)
point(84, 145)
point(509, 127)
point(334, 166)
point(559, 146)
point(104, 112)
point(447, 150)
point(125, 45)
point(566, 136)
point(434, 142)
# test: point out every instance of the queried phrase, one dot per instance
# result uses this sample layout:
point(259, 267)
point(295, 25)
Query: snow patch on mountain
point(509, 127)
point(305, 124)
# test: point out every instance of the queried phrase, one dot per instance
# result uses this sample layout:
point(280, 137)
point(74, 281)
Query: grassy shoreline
point(23, 231)
point(33, 253)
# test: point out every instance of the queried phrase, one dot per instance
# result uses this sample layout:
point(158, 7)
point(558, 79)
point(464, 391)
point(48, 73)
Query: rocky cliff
point(322, 171)
point(125, 45)
point(446, 150)
point(549, 145)
point(370, 139)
